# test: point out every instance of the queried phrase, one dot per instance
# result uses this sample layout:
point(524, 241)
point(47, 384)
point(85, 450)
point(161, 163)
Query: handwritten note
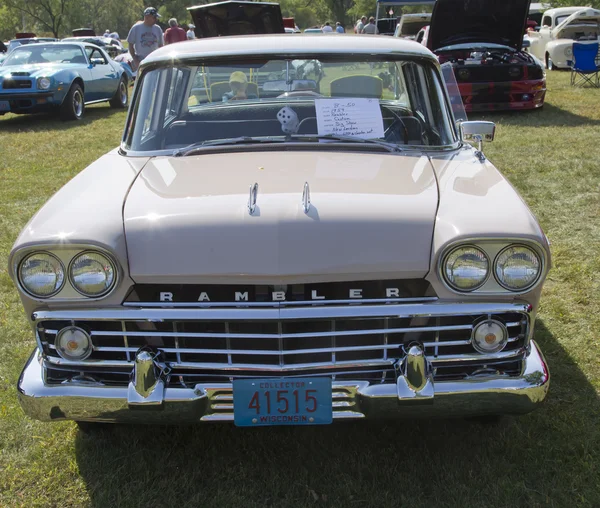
point(360, 118)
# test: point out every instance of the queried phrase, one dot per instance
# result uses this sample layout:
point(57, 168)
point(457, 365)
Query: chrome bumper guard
point(147, 399)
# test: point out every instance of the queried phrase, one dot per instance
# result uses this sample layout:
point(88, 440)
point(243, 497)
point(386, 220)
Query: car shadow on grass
point(548, 456)
point(43, 122)
point(548, 116)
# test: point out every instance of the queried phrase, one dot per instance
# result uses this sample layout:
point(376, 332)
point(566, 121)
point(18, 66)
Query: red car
point(484, 44)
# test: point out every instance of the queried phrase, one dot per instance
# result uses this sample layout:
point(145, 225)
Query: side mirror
point(478, 132)
point(526, 43)
point(97, 61)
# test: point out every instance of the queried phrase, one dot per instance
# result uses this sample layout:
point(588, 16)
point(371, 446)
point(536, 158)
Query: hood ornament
point(306, 198)
point(252, 198)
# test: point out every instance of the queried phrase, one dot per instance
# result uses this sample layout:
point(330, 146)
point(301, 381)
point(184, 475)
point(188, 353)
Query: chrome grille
point(315, 339)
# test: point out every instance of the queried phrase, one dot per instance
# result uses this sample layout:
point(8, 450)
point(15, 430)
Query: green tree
point(47, 14)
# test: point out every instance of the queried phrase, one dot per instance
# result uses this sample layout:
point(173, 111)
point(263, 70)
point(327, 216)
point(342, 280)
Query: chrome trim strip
point(436, 361)
point(304, 335)
point(276, 304)
point(313, 312)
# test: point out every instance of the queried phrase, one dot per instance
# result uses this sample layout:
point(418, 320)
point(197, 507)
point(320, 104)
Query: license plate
point(297, 401)
point(4, 106)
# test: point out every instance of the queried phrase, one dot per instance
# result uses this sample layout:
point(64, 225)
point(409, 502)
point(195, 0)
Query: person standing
point(339, 28)
point(144, 37)
point(360, 24)
point(174, 33)
point(190, 33)
point(370, 28)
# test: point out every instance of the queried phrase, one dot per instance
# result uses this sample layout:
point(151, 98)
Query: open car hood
point(586, 15)
point(466, 21)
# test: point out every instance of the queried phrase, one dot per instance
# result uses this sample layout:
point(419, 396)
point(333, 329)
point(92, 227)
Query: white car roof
point(282, 45)
point(561, 11)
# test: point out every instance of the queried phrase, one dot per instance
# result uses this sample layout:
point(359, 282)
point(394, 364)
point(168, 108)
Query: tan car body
point(373, 216)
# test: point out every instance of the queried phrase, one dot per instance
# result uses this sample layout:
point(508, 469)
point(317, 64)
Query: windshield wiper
point(392, 147)
point(196, 147)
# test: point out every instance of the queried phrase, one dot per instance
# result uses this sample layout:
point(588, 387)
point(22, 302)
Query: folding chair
point(584, 69)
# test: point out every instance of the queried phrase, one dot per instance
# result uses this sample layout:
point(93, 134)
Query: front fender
point(557, 51)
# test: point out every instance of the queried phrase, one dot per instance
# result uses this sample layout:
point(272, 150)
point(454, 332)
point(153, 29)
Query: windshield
point(398, 103)
point(42, 53)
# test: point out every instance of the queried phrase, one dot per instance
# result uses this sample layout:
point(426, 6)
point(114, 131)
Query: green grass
point(548, 458)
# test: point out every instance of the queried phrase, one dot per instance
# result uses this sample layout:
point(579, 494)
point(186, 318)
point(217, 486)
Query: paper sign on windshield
point(360, 118)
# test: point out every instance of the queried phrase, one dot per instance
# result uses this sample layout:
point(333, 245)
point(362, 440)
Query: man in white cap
point(144, 37)
point(190, 33)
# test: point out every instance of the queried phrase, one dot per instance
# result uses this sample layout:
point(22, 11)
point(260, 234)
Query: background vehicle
point(484, 44)
point(237, 18)
point(553, 44)
point(61, 77)
point(411, 24)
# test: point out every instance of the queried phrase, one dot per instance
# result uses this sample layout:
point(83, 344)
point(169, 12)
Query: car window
point(177, 106)
point(97, 55)
point(42, 53)
point(547, 21)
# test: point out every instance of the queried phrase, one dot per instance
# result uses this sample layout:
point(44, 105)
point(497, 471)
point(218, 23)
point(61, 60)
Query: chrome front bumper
point(415, 394)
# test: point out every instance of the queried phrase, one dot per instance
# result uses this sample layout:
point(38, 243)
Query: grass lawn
point(548, 458)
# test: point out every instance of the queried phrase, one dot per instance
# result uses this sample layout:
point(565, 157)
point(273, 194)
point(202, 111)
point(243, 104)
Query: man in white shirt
point(190, 33)
point(327, 28)
point(144, 37)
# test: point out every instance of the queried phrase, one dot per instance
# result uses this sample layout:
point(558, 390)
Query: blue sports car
point(61, 77)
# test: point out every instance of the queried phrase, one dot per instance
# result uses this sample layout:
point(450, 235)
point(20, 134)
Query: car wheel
point(121, 97)
point(549, 65)
point(73, 106)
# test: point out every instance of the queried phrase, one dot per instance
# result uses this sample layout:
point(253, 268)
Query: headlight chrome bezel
point(110, 261)
point(65, 253)
point(22, 284)
point(493, 247)
point(531, 284)
point(451, 251)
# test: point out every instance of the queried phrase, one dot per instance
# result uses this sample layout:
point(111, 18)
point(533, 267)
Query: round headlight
point(41, 274)
point(92, 274)
point(466, 268)
point(517, 268)
point(569, 51)
point(73, 343)
point(489, 336)
point(44, 83)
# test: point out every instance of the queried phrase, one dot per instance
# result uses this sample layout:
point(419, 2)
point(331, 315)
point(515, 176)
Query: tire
point(549, 64)
point(73, 105)
point(121, 98)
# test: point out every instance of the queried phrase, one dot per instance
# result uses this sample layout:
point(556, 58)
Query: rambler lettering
point(280, 296)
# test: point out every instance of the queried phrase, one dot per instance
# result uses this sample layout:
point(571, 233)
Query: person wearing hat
point(239, 87)
point(144, 37)
point(190, 33)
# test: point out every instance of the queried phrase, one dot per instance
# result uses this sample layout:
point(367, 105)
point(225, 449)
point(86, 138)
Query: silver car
point(293, 231)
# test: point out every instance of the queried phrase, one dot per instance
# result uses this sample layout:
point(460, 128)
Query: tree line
point(58, 17)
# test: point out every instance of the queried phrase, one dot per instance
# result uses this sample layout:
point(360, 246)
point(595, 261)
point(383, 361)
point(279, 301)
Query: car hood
point(34, 70)
point(371, 215)
point(582, 16)
point(478, 21)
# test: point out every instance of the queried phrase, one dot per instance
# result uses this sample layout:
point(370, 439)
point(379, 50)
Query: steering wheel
point(299, 93)
point(391, 132)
